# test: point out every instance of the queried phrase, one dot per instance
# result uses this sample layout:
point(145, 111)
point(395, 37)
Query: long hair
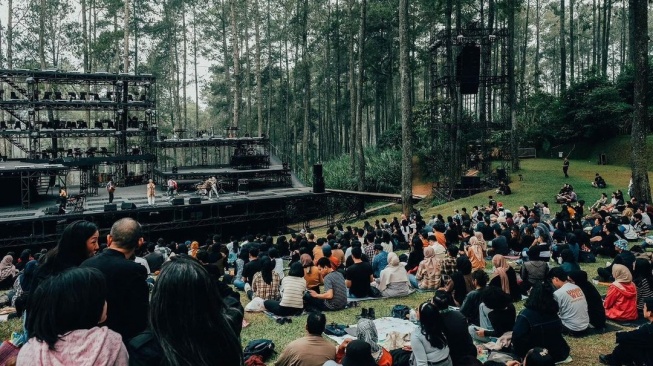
point(188, 317)
point(541, 299)
point(643, 271)
point(71, 250)
point(267, 267)
point(432, 325)
point(71, 300)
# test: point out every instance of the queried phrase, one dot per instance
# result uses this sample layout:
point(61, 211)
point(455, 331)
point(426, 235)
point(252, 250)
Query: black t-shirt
point(500, 245)
point(250, 269)
point(488, 232)
point(359, 275)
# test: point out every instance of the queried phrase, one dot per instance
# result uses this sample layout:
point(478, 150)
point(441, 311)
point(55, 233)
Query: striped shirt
point(643, 291)
point(292, 292)
point(336, 282)
point(264, 290)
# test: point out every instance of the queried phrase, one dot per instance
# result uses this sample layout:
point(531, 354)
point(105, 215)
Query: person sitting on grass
point(393, 281)
point(532, 272)
point(598, 182)
point(380, 260)
point(455, 329)
point(461, 281)
point(366, 332)
point(571, 300)
point(359, 275)
point(568, 261)
point(497, 315)
point(595, 308)
point(292, 291)
point(428, 273)
point(335, 291)
point(476, 254)
point(470, 307)
point(624, 257)
point(429, 343)
point(311, 273)
point(64, 313)
point(265, 283)
point(621, 300)
point(505, 277)
point(312, 349)
point(643, 279)
point(634, 347)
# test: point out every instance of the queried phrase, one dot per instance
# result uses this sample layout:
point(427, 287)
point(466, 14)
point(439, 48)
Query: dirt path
point(420, 187)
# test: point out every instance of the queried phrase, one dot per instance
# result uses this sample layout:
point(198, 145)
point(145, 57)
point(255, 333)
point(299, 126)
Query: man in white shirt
point(571, 300)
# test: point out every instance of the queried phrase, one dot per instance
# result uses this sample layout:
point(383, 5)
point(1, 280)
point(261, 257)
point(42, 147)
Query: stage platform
point(259, 211)
point(273, 177)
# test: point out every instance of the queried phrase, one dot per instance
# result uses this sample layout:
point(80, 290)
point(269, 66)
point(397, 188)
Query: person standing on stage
point(565, 167)
point(213, 190)
point(151, 192)
point(111, 187)
point(172, 187)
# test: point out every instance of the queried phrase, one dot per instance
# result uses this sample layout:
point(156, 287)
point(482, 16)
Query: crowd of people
point(131, 302)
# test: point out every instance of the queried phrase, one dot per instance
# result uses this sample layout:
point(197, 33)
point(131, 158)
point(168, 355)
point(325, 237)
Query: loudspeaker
point(194, 200)
point(468, 69)
point(175, 170)
point(470, 182)
point(178, 201)
point(243, 186)
point(318, 179)
point(110, 207)
point(52, 210)
point(128, 206)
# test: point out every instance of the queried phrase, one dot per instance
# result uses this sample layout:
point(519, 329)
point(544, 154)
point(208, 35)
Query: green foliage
point(382, 171)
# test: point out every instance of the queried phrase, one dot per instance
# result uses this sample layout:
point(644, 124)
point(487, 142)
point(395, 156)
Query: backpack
point(400, 312)
point(259, 347)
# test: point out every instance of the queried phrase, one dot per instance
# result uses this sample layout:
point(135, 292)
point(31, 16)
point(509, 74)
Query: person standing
point(213, 189)
point(565, 167)
point(151, 192)
point(111, 187)
point(63, 199)
point(172, 187)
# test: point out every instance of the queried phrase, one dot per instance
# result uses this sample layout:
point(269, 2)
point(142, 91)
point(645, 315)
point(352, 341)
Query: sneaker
point(248, 287)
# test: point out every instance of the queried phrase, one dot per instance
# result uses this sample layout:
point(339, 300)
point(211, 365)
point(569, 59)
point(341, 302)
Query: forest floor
point(420, 187)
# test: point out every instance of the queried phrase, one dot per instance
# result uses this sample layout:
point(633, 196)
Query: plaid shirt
point(448, 265)
point(263, 290)
point(368, 250)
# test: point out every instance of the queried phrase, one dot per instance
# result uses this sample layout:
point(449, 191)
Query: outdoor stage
point(263, 211)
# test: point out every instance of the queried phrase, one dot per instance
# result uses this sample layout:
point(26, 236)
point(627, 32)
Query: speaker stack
point(318, 179)
point(128, 206)
point(178, 201)
point(110, 207)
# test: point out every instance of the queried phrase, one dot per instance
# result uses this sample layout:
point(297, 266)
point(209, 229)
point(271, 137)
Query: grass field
point(542, 180)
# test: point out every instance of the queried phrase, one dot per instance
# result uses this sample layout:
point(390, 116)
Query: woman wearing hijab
point(505, 277)
point(428, 272)
point(311, 274)
point(194, 248)
point(8, 272)
point(265, 284)
point(292, 291)
point(393, 281)
point(476, 254)
point(23, 283)
point(621, 300)
point(366, 332)
point(25, 256)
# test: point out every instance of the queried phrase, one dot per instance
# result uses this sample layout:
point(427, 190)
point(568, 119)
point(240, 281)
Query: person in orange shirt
point(311, 274)
point(439, 236)
point(335, 262)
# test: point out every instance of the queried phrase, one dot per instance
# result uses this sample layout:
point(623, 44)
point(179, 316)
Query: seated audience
point(265, 283)
point(359, 275)
point(416, 255)
point(292, 291)
point(461, 281)
point(63, 323)
point(499, 243)
point(643, 279)
point(312, 349)
point(380, 260)
point(335, 290)
point(634, 347)
point(428, 272)
point(328, 252)
point(497, 315)
point(252, 267)
point(624, 257)
point(621, 300)
point(154, 259)
point(357, 353)
point(569, 263)
point(311, 273)
point(273, 253)
point(533, 271)
point(535, 357)
point(505, 277)
point(595, 308)
point(393, 281)
point(127, 289)
point(538, 325)
point(476, 254)
point(572, 303)
point(470, 306)
point(504, 189)
point(22, 286)
point(183, 330)
point(429, 343)
point(449, 261)
point(366, 332)
point(598, 182)
point(455, 329)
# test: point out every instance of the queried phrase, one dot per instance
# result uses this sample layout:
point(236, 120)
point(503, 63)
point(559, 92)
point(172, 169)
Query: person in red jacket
point(621, 300)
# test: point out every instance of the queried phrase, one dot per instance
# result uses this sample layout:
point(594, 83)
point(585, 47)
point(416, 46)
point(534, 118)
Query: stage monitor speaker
point(110, 207)
point(243, 186)
point(127, 206)
point(318, 179)
point(178, 201)
point(194, 200)
point(468, 69)
point(470, 182)
point(52, 210)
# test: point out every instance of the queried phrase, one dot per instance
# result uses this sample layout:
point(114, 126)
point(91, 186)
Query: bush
point(382, 172)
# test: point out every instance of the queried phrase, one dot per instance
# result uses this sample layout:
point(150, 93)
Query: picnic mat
point(629, 323)
point(369, 298)
point(275, 317)
point(383, 327)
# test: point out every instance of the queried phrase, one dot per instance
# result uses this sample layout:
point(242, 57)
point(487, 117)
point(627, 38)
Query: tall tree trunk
point(523, 54)
point(359, 98)
point(537, 45)
point(571, 41)
point(197, 92)
point(236, 58)
point(639, 158)
point(607, 12)
point(125, 24)
point(248, 84)
point(10, 35)
point(511, 85)
point(352, 90)
point(259, 81)
point(307, 91)
point(595, 37)
point(563, 50)
point(184, 67)
point(42, 34)
point(225, 54)
point(406, 111)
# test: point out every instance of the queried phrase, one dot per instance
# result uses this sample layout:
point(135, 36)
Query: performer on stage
point(151, 192)
point(172, 187)
point(213, 189)
point(111, 187)
point(63, 199)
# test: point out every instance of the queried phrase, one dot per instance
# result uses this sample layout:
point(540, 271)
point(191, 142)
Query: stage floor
point(226, 170)
point(137, 196)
